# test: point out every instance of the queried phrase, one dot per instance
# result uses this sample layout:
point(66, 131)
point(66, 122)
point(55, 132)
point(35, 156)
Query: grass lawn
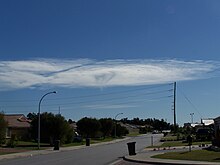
point(23, 146)
point(27, 146)
point(197, 155)
point(92, 141)
point(132, 134)
point(4, 151)
point(178, 143)
point(31, 144)
point(74, 144)
point(169, 138)
point(107, 139)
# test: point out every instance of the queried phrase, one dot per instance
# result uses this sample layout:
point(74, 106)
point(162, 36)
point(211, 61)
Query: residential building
point(18, 125)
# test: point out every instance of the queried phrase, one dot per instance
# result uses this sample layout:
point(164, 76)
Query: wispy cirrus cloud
point(92, 73)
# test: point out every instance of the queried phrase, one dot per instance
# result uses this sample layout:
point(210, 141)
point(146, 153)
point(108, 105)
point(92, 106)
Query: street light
point(39, 116)
point(116, 121)
point(191, 114)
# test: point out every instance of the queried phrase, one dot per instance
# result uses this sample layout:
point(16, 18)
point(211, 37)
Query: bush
point(53, 127)
point(13, 142)
point(203, 135)
point(3, 125)
point(88, 127)
point(120, 131)
point(142, 130)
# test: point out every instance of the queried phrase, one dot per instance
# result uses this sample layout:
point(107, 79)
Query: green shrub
point(13, 142)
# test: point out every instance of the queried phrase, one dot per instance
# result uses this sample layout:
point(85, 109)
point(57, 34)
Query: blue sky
point(108, 57)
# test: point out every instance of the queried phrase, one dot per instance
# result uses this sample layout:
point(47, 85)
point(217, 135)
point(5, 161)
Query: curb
point(169, 161)
point(146, 157)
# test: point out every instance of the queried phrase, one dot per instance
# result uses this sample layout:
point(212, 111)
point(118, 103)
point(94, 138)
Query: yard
point(27, 146)
point(177, 143)
point(196, 155)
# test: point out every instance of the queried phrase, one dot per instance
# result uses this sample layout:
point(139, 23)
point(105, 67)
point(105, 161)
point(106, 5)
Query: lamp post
point(39, 115)
point(116, 122)
point(191, 114)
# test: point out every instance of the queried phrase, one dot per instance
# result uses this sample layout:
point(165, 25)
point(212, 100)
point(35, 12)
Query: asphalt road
point(92, 155)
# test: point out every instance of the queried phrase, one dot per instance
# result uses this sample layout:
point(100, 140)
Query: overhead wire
point(113, 100)
point(190, 102)
point(95, 100)
point(121, 103)
point(91, 95)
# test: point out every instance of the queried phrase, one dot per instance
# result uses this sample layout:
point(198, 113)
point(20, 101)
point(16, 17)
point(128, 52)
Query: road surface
point(93, 155)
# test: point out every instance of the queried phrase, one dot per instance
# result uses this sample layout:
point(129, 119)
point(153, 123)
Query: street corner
point(138, 158)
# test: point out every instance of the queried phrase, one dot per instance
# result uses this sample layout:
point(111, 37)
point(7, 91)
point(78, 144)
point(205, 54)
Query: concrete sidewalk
point(145, 157)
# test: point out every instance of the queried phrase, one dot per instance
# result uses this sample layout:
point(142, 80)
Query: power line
point(189, 101)
point(121, 103)
point(93, 101)
point(110, 99)
point(96, 100)
point(93, 95)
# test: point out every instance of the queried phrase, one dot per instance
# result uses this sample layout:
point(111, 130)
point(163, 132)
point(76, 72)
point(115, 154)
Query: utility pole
point(174, 105)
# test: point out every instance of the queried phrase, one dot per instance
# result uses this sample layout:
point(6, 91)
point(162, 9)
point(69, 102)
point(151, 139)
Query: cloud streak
point(92, 73)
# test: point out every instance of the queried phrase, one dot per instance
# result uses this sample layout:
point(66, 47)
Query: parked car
point(77, 137)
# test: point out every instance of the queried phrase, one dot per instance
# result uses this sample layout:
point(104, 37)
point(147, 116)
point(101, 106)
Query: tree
point(31, 116)
point(120, 130)
point(53, 127)
point(88, 127)
point(155, 123)
point(107, 125)
point(3, 126)
point(70, 121)
point(142, 130)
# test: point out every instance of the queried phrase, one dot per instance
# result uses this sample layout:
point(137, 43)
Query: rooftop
point(17, 121)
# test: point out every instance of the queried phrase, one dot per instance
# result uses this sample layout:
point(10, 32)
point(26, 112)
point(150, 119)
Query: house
point(18, 125)
point(217, 127)
point(217, 131)
point(193, 125)
point(207, 122)
point(73, 126)
point(217, 123)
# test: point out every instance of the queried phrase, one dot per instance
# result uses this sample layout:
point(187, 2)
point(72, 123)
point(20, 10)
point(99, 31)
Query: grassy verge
point(107, 139)
point(92, 141)
point(132, 134)
point(74, 144)
point(169, 138)
point(27, 146)
point(197, 155)
point(4, 151)
point(177, 143)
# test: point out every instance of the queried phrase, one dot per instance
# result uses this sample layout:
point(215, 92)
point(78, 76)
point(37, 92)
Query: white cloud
point(91, 73)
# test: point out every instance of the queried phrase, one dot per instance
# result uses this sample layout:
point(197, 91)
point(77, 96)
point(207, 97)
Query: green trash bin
point(57, 145)
point(87, 141)
point(131, 148)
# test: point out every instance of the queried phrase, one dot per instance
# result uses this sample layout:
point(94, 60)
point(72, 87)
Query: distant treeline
point(150, 124)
